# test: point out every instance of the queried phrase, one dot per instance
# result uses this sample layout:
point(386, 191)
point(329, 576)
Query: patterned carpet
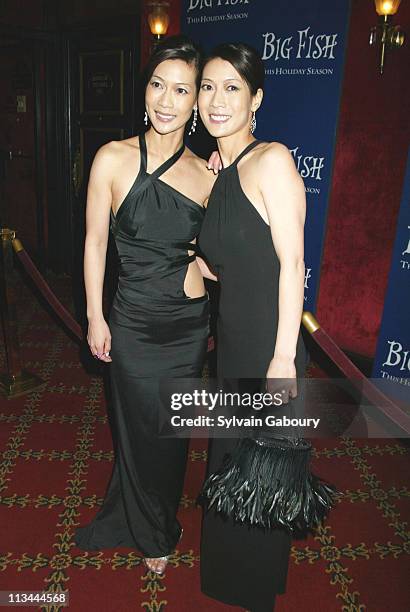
point(55, 461)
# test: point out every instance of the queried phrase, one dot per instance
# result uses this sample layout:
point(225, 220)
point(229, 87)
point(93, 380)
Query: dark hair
point(245, 59)
point(175, 47)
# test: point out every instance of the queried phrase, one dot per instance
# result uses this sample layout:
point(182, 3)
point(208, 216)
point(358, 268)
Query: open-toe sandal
point(156, 564)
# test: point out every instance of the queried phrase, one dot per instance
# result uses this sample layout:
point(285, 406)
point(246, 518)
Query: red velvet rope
point(369, 390)
point(46, 292)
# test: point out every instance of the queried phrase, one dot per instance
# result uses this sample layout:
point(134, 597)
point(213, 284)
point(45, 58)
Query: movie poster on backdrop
point(303, 47)
point(392, 360)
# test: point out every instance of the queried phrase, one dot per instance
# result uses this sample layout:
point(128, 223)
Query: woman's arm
point(99, 198)
point(284, 198)
point(203, 266)
point(205, 271)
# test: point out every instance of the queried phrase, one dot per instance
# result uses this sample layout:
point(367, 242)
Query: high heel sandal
point(149, 561)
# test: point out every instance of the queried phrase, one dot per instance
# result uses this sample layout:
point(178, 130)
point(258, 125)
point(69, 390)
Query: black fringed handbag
point(267, 481)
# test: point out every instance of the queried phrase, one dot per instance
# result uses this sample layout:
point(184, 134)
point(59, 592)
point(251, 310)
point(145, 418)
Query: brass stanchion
point(15, 381)
point(397, 414)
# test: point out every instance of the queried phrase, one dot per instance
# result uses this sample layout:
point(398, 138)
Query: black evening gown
point(241, 565)
point(157, 332)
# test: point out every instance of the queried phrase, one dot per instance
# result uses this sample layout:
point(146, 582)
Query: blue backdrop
point(303, 46)
point(392, 361)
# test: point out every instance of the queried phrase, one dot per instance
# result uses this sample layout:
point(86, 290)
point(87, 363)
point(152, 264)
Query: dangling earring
point(193, 126)
point(253, 122)
point(146, 118)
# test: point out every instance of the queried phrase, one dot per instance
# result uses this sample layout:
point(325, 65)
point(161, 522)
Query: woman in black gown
point(252, 238)
point(154, 190)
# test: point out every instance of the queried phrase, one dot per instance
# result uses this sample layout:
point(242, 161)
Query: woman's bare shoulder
point(119, 148)
point(276, 155)
point(274, 151)
point(113, 156)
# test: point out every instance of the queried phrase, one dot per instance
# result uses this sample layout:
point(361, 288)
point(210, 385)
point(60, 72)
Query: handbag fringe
point(268, 482)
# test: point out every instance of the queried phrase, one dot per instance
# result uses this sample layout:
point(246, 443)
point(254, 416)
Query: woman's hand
point(99, 339)
point(205, 271)
point(215, 162)
point(281, 378)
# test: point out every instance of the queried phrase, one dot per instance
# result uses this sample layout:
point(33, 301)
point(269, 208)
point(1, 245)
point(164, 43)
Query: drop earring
point(253, 122)
point(146, 118)
point(193, 126)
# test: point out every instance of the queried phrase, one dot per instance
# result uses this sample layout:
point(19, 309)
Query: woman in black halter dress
point(155, 329)
point(253, 242)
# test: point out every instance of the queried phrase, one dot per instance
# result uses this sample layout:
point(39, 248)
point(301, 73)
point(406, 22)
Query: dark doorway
point(69, 84)
point(101, 78)
point(23, 197)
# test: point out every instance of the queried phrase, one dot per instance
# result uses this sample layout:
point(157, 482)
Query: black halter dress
point(241, 565)
point(157, 332)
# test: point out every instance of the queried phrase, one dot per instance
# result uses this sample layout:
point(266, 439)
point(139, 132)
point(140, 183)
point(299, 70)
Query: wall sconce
point(158, 19)
point(387, 35)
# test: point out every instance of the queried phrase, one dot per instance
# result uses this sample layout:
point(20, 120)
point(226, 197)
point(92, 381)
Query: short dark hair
point(245, 59)
point(175, 47)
